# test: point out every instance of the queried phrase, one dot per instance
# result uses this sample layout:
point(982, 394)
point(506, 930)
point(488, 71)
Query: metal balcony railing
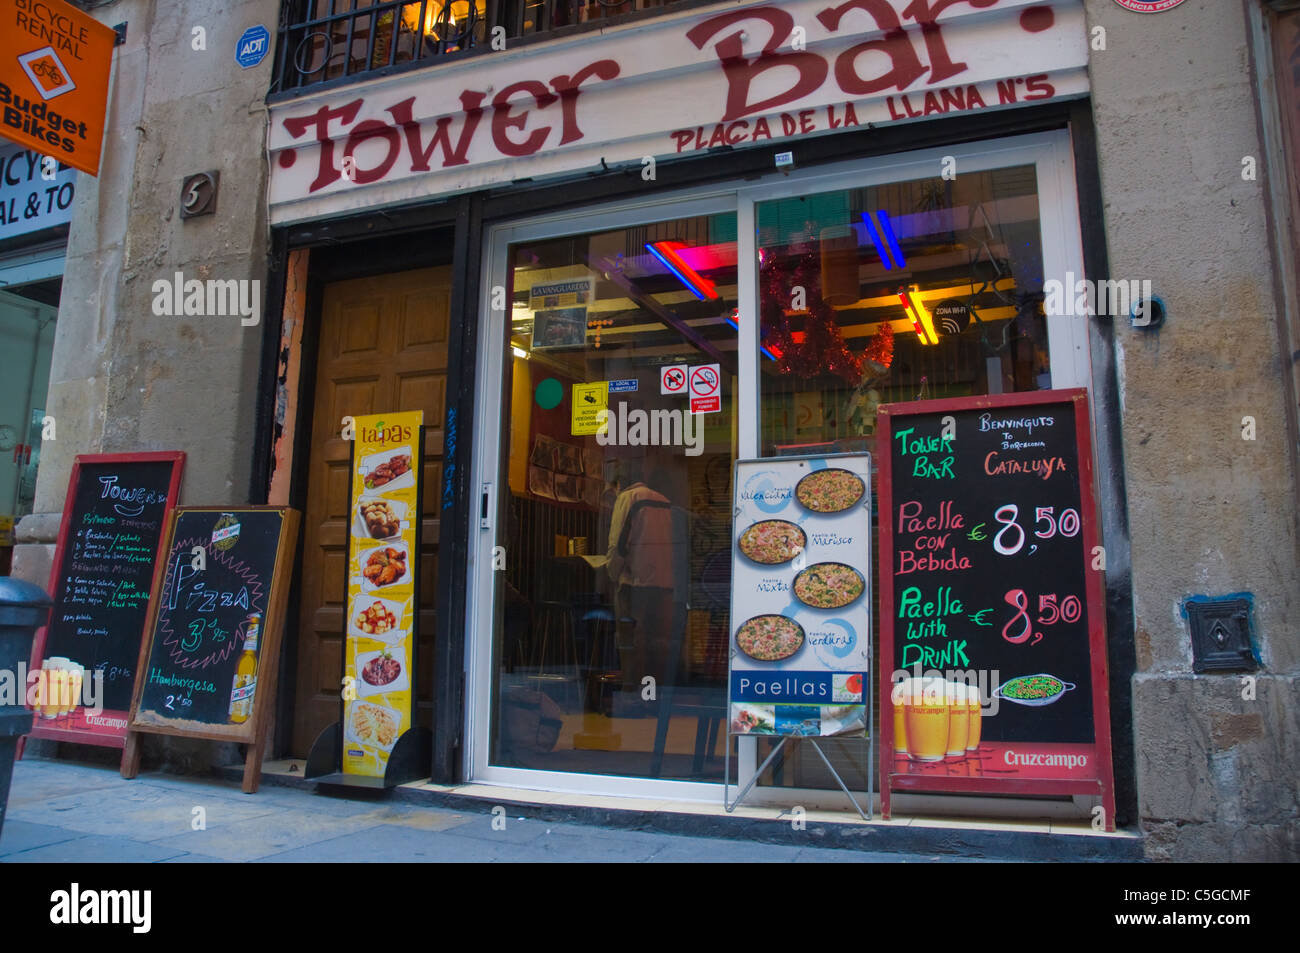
point(333, 41)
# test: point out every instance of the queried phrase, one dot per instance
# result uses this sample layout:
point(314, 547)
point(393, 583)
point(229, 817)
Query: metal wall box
point(1221, 634)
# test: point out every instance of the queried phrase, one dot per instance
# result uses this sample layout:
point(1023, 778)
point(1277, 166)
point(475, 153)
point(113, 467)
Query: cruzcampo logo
point(225, 532)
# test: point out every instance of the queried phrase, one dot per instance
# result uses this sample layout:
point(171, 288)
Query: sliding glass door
point(609, 516)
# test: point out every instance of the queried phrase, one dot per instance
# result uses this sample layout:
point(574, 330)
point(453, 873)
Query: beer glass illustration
point(898, 698)
point(58, 690)
point(76, 676)
point(927, 721)
point(957, 696)
point(976, 717)
point(51, 690)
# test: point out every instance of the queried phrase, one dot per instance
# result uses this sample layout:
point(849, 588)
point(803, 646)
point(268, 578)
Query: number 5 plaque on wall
point(992, 617)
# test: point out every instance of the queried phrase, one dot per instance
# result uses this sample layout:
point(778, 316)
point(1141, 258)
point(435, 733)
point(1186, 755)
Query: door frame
point(1051, 153)
point(358, 246)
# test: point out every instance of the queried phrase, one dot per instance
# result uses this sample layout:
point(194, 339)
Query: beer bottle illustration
point(241, 692)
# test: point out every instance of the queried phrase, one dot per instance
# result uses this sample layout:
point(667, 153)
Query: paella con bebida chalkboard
point(992, 620)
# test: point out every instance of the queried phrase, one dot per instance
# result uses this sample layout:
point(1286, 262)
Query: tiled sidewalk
point(61, 811)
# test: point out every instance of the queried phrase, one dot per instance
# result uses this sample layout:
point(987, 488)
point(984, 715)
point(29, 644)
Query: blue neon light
point(889, 234)
point(673, 270)
point(888, 231)
point(875, 240)
point(766, 353)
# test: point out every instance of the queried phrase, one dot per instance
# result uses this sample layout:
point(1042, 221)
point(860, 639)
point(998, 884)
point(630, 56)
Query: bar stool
point(554, 656)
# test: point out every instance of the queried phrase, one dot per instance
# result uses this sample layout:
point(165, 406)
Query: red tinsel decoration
point(822, 349)
point(880, 348)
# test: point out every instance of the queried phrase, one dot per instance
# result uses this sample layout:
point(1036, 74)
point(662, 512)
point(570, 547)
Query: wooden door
point(383, 348)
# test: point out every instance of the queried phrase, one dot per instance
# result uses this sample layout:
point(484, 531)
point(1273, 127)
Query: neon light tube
point(696, 283)
point(875, 240)
point(922, 322)
point(766, 353)
point(889, 234)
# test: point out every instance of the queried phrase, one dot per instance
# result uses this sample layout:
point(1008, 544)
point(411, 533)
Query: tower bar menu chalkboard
point(84, 661)
point(992, 625)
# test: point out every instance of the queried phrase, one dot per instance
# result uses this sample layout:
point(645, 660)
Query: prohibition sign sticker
point(672, 379)
point(705, 384)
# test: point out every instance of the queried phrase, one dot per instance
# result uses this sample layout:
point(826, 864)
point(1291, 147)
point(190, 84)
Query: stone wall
point(1210, 513)
point(124, 379)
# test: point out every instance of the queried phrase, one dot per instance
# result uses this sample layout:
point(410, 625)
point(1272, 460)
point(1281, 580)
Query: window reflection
point(922, 289)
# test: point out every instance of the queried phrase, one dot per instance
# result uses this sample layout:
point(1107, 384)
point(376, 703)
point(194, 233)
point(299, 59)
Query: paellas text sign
point(667, 87)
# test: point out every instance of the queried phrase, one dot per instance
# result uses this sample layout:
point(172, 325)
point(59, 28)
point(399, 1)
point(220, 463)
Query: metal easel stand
point(726, 778)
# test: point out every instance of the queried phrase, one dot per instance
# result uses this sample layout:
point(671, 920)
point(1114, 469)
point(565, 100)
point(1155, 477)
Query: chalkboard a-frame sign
point(110, 540)
point(226, 571)
point(990, 580)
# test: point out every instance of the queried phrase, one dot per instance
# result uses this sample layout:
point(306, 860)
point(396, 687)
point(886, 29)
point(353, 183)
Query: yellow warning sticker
point(588, 402)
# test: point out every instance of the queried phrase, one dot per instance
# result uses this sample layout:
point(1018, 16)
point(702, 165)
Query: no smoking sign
point(706, 389)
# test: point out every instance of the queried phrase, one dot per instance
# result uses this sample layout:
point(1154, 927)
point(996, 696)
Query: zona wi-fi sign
point(951, 316)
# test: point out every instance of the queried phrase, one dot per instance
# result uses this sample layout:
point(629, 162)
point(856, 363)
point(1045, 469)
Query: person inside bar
point(640, 565)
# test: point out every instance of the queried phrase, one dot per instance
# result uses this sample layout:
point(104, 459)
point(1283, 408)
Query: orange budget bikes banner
point(55, 63)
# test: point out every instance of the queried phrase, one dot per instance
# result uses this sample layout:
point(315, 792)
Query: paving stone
point(94, 849)
point(192, 859)
point(421, 819)
point(387, 843)
point(147, 815)
point(264, 835)
point(827, 855)
point(516, 831)
point(19, 835)
point(695, 850)
point(298, 799)
point(37, 781)
point(558, 847)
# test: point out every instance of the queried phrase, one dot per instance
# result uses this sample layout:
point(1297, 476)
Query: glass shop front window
point(912, 290)
point(921, 289)
point(601, 629)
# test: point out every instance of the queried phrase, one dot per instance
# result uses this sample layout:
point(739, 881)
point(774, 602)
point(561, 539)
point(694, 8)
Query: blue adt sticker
point(254, 43)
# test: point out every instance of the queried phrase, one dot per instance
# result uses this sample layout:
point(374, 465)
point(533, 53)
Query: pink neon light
point(671, 253)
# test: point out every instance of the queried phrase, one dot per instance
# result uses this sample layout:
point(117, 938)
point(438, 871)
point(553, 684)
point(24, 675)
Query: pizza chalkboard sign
point(209, 663)
point(992, 619)
point(101, 581)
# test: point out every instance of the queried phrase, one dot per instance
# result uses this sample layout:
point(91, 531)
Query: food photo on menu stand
point(801, 597)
